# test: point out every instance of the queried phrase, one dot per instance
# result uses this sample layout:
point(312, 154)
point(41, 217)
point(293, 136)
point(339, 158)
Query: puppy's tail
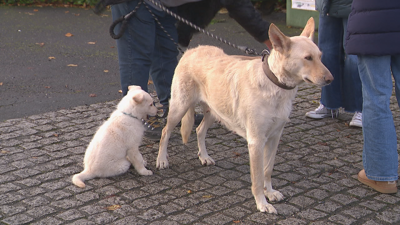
point(78, 179)
point(187, 125)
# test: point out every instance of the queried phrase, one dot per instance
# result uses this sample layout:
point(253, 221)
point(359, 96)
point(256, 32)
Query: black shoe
point(153, 129)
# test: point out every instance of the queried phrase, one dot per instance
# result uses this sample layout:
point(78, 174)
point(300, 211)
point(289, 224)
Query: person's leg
point(136, 45)
point(165, 56)
point(396, 74)
point(330, 36)
point(351, 83)
point(380, 157)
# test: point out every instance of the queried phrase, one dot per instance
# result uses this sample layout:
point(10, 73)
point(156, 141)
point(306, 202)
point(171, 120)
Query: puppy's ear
point(309, 29)
point(133, 87)
point(279, 41)
point(138, 98)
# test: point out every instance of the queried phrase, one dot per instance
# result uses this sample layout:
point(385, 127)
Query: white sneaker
point(357, 120)
point(323, 112)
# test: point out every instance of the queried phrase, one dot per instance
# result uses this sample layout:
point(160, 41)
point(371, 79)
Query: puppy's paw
point(145, 172)
point(274, 195)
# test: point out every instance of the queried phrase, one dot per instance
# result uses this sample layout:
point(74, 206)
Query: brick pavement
point(315, 169)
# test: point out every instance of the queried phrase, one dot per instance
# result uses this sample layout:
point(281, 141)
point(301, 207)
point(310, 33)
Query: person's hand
point(268, 44)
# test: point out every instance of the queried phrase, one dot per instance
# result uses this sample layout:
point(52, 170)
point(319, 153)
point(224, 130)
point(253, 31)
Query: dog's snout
point(328, 78)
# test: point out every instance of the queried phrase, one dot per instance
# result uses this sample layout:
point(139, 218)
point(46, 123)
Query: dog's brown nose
point(328, 78)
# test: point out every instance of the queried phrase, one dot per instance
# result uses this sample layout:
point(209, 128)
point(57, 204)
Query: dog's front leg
point(257, 178)
point(133, 155)
point(270, 150)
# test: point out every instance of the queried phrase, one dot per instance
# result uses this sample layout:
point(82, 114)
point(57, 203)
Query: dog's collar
point(272, 76)
point(130, 115)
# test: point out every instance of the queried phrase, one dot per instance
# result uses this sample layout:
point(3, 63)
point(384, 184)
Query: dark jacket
point(335, 8)
point(373, 28)
point(201, 13)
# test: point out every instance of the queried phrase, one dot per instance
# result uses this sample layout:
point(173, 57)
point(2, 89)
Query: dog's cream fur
point(236, 91)
point(115, 146)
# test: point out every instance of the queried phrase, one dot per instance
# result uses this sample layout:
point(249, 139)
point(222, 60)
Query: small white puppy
point(115, 146)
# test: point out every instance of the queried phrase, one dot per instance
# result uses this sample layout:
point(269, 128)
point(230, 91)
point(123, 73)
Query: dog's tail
point(187, 124)
point(78, 179)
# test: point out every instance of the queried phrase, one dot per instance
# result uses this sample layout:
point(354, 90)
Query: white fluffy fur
point(115, 146)
point(235, 90)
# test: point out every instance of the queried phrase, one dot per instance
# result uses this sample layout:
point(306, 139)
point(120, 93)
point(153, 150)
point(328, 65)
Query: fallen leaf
point(113, 207)
point(40, 44)
point(76, 14)
point(68, 35)
point(189, 192)
point(72, 65)
point(55, 135)
point(105, 71)
point(91, 43)
point(66, 11)
point(1, 83)
point(4, 152)
point(48, 87)
point(36, 10)
point(119, 91)
point(52, 57)
point(236, 154)
point(236, 221)
point(150, 82)
point(92, 95)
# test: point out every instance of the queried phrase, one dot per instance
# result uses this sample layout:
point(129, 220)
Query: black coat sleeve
point(248, 17)
point(201, 13)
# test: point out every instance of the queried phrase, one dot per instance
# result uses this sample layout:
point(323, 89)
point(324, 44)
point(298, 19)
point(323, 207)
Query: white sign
point(303, 4)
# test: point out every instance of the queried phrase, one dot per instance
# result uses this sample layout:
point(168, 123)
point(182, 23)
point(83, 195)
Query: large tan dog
point(247, 96)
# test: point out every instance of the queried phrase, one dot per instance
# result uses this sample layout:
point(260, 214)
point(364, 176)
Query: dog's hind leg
point(187, 124)
point(270, 150)
point(201, 131)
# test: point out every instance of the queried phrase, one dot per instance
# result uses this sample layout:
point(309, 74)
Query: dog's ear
point(133, 87)
point(309, 29)
point(138, 98)
point(280, 42)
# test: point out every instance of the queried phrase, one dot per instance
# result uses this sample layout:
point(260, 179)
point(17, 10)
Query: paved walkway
point(315, 168)
point(315, 165)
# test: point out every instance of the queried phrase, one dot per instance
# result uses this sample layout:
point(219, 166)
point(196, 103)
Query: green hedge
point(48, 2)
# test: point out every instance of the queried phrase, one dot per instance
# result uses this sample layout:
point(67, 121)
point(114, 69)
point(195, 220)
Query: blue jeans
point(145, 49)
point(345, 90)
point(380, 156)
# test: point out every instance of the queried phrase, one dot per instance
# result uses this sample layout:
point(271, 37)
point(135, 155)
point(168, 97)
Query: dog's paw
point(145, 172)
point(206, 160)
point(267, 208)
point(162, 163)
point(274, 195)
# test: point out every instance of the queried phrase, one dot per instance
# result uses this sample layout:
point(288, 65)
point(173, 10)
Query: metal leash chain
point(162, 27)
point(241, 48)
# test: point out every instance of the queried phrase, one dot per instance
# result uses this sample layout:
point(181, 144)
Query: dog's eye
point(308, 58)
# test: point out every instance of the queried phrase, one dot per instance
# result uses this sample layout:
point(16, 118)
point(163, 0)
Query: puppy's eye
point(308, 58)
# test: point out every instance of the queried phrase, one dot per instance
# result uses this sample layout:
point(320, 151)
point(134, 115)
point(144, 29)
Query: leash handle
point(124, 20)
point(121, 30)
